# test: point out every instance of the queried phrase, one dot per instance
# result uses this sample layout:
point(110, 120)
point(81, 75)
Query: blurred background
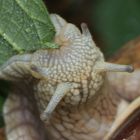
point(111, 22)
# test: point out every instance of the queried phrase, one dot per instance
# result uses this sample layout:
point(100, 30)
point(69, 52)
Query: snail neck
point(94, 118)
point(105, 102)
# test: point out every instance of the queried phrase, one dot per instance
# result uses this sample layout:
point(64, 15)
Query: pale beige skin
point(66, 88)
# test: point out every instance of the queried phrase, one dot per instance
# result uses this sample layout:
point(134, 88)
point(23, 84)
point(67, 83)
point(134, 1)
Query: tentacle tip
point(84, 25)
point(129, 68)
point(34, 68)
point(85, 30)
point(45, 116)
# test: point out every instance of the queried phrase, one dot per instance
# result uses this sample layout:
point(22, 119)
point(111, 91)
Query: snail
point(64, 93)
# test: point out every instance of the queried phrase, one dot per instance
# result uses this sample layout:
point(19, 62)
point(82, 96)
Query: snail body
point(63, 91)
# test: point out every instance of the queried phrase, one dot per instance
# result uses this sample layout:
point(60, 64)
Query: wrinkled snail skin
point(68, 87)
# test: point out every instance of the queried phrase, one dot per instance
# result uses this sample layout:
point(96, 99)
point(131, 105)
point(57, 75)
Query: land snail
point(77, 69)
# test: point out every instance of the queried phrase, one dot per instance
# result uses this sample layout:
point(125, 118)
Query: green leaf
point(25, 26)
